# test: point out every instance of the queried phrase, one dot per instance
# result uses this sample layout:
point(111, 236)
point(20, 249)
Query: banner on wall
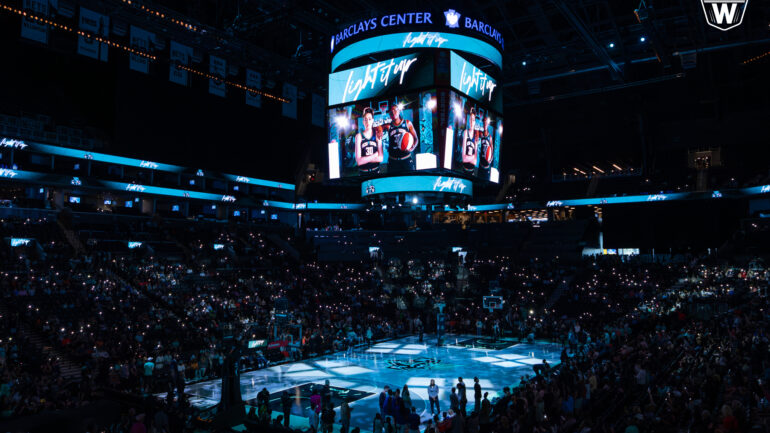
point(65, 9)
point(318, 117)
point(95, 24)
point(217, 68)
point(179, 55)
point(253, 80)
point(290, 93)
point(31, 29)
point(140, 39)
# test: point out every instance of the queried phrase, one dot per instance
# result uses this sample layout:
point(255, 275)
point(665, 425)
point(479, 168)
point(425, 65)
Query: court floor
point(361, 375)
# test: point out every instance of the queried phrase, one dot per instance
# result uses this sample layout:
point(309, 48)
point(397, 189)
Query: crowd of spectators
point(648, 346)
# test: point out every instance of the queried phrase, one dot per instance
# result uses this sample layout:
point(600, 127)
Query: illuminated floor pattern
point(394, 363)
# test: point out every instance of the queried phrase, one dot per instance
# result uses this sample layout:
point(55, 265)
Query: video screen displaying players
point(473, 138)
point(383, 136)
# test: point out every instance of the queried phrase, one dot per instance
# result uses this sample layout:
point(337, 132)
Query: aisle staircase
point(284, 245)
point(72, 238)
point(70, 371)
point(558, 291)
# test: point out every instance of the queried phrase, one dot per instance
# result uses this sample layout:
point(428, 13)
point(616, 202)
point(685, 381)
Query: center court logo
point(724, 14)
point(452, 18)
point(412, 364)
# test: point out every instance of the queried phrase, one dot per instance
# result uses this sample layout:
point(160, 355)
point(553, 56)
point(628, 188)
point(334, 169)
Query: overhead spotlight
point(643, 39)
point(611, 45)
point(414, 200)
point(458, 109)
point(523, 63)
point(341, 121)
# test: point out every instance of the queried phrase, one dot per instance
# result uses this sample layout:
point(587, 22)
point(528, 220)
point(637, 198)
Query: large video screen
point(475, 83)
point(387, 77)
point(383, 121)
point(383, 136)
point(473, 139)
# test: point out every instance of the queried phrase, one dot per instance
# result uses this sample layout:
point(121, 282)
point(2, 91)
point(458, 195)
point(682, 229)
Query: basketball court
point(360, 377)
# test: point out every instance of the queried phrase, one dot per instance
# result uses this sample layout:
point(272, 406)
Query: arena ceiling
point(581, 86)
point(554, 48)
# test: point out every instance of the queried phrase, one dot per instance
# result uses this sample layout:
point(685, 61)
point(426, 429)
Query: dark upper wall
point(147, 116)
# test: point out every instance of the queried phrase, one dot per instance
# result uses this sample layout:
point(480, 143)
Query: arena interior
point(323, 216)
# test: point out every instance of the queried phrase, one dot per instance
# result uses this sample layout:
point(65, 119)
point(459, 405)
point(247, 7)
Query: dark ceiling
point(547, 42)
point(581, 86)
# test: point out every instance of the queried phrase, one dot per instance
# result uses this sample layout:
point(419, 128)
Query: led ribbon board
point(329, 206)
point(475, 83)
point(762, 189)
point(168, 192)
point(101, 157)
point(121, 160)
point(278, 204)
point(365, 82)
point(312, 206)
point(258, 182)
point(414, 40)
point(621, 200)
point(452, 185)
point(480, 208)
point(20, 242)
point(7, 173)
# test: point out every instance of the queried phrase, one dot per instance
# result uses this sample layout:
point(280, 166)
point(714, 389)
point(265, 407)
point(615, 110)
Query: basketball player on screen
point(486, 151)
point(369, 153)
point(402, 140)
point(469, 145)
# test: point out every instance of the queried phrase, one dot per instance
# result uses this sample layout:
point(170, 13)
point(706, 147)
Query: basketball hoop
point(492, 303)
